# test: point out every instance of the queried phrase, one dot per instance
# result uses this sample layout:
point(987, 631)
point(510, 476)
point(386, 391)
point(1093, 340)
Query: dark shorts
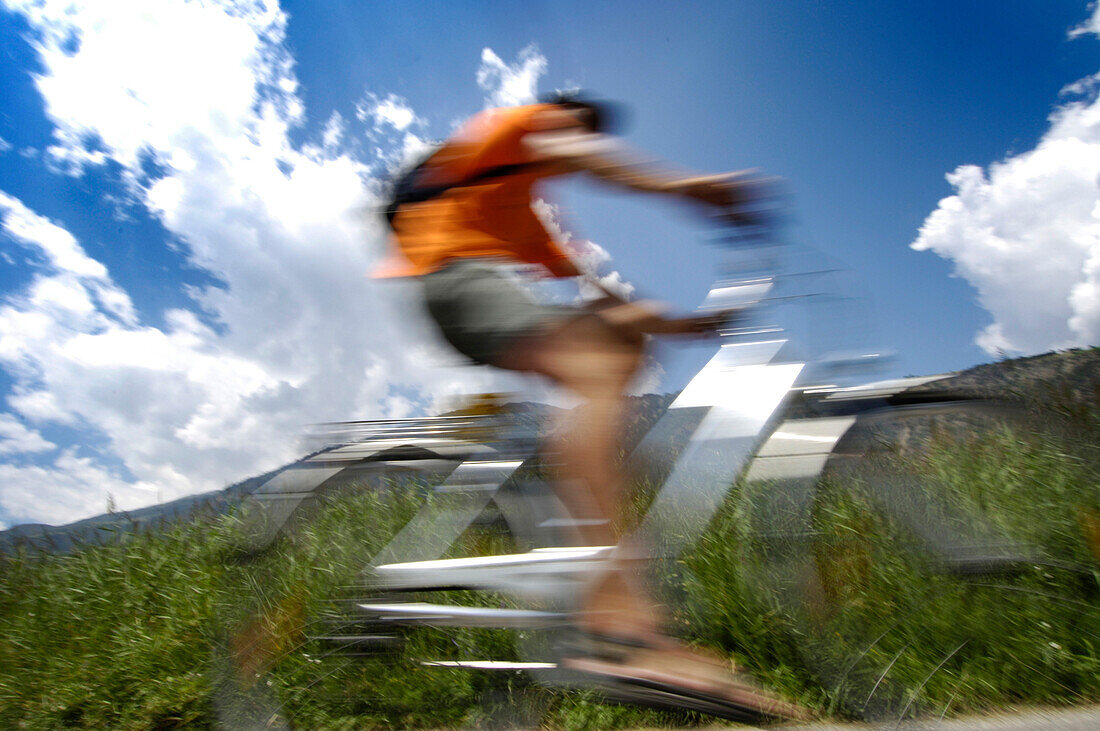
point(482, 310)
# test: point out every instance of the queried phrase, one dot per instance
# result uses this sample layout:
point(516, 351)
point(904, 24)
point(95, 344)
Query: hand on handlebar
point(742, 198)
point(698, 325)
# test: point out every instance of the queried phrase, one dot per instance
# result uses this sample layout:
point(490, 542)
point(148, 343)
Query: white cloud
point(76, 486)
point(1091, 25)
point(334, 131)
point(144, 79)
point(39, 406)
point(389, 112)
point(1026, 232)
point(4, 145)
point(16, 438)
point(590, 257)
point(392, 122)
point(511, 84)
point(37, 233)
point(302, 334)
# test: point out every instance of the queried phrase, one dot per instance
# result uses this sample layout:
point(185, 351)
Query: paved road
point(1074, 719)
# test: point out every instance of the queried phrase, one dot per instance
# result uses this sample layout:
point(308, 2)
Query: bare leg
point(597, 361)
point(596, 358)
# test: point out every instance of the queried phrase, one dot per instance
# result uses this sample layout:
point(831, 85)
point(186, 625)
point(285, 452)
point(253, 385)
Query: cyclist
point(460, 222)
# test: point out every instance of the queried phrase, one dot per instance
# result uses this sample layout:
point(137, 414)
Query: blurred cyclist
point(462, 220)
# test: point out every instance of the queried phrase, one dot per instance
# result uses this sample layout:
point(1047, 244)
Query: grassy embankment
point(179, 629)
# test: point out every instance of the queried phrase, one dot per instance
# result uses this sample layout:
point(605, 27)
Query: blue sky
point(182, 266)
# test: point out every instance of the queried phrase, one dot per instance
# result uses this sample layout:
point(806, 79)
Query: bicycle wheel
point(323, 638)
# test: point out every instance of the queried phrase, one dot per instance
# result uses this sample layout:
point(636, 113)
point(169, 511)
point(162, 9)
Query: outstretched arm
point(575, 150)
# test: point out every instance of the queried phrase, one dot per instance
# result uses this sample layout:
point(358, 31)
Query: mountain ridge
point(1066, 382)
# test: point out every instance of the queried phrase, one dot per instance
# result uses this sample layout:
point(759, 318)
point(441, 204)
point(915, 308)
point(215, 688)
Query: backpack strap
point(406, 189)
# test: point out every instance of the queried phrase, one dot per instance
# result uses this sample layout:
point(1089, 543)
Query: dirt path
point(1071, 719)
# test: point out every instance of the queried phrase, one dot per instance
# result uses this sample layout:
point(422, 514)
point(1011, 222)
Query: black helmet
point(599, 116)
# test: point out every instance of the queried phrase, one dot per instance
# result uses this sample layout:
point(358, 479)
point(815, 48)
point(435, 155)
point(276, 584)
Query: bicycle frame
point(728, 422)
point(755, 416)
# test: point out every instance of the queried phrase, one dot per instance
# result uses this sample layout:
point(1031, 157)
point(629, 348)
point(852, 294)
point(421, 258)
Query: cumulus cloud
point(37, 233)
point(392, 123)
point(390, 111)
point(77, 487)
point(72, 341)
point(16, 438)
point(334, 131)
point(591, 258)
point(510, 84)
point(293, 333)
point(1090, 25)
point(1025, 232)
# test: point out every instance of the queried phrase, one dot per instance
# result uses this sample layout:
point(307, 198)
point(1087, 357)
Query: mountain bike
point(878, 526)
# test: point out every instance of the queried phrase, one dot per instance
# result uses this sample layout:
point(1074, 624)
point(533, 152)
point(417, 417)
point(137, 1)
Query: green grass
point(180, 628)
point(844, 609)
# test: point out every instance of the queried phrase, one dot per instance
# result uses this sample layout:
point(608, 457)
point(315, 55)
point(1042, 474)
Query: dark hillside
point(1066, 380)
point(1065, 384)
point(110, 527)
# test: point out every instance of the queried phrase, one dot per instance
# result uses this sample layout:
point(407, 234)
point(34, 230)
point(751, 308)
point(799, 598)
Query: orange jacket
point(490, 218)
